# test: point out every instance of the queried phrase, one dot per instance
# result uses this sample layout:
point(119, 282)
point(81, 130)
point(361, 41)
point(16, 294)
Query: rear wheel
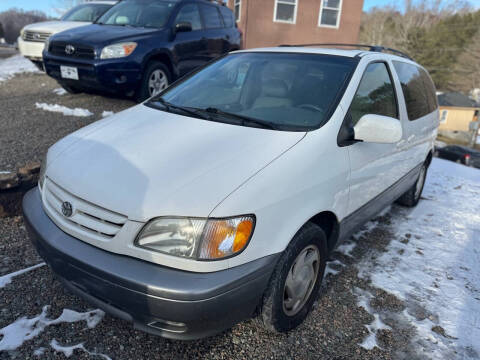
point(412, 196)
point(156, 78)
point(295, 281)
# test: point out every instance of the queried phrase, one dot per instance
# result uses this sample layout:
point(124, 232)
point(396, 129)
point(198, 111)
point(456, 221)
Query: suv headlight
point(200, 239)
point(118, 50)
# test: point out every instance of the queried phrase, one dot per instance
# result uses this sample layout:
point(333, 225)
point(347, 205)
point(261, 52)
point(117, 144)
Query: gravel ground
point(27, 132)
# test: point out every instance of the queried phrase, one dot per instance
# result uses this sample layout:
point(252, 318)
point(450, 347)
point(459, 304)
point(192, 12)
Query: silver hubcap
point(300, 280)
point(421, 179)
point(158, 82)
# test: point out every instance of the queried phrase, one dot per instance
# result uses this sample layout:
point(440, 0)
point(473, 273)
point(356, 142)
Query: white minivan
point(221, 198)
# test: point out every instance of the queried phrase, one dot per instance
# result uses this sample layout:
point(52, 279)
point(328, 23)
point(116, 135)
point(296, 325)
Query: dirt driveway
point(354, 317)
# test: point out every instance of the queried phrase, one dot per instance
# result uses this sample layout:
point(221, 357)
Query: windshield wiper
point(193, 112)
point(244, 119)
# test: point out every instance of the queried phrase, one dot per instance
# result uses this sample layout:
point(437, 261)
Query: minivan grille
point(36, 36)
point(86, 218)
point(80, 51)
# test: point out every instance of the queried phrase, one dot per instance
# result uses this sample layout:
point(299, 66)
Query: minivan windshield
point(87, 12)
point(139, 13)
point(281, 91)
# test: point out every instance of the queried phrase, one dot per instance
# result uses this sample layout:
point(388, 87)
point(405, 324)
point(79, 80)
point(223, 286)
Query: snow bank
point(24, 329)
point(15, 65)
point(64, 110)
point(433, 263)
point(7, 279)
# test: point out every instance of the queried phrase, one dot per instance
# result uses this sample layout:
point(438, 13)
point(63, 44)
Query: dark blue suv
point(139, 47)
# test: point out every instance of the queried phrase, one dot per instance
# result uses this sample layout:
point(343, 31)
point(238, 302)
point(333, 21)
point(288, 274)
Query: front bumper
point(30, 49)
point(112, 76)
point(172, 303)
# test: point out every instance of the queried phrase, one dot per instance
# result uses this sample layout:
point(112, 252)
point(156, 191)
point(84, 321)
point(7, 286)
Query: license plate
point(69, 72)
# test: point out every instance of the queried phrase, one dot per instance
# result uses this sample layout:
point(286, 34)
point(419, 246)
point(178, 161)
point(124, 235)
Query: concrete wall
point(259, 28)
point(458, 119)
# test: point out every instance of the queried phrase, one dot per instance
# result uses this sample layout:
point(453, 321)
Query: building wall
point(259, 28)
point(458, 119)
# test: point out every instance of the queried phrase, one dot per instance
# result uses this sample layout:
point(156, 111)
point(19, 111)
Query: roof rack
point(374, 48)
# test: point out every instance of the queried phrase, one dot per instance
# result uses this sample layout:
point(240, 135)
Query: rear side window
point(418, 90)
point(211, 17)
point(189, 13)
point(375, 94)
point(227, 16)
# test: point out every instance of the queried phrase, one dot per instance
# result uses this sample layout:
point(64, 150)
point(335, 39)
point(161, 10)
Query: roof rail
point(374, 48)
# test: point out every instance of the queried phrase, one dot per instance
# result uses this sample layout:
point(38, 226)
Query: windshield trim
point(279, 127)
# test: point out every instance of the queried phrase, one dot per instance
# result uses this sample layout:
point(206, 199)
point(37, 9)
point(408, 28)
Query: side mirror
point(378, 129)
point(183, 27)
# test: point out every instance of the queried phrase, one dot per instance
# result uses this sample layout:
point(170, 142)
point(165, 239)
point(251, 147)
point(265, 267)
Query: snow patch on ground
point(15, 65)
point(68, 350)
point(433, 263)
point(333, 270)
point(60, 91)
point(107, 113)
point(7, 279)
point(64, 110)
point(24, 329)
point(39, 351)
point(363, 300)
point(346, 248)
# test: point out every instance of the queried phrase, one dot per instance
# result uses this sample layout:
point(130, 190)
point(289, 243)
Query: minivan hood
point(145, 163)
point(54, 27)
point(102, 34)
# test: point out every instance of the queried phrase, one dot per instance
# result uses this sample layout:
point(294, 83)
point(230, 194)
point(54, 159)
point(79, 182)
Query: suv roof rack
point(374, 48)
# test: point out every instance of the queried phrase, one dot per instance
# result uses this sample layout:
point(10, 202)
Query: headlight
point(43, 168)
point(200, 239)
point(118, 50)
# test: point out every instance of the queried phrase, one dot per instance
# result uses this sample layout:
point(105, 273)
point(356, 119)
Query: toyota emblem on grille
point(67, 209)
point(69, 49)
point(36, 36)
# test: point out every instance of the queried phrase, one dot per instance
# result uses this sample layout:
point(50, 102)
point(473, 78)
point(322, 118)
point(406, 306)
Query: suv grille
point(35, 36)
point(80, 51)
point(90, 220)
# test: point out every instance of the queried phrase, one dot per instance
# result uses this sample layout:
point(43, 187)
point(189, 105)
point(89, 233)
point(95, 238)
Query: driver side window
point(190, 13)
point(375, 94)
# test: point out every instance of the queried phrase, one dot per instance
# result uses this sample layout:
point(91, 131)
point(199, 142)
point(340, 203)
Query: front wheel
point(412, 196)
point(156, 78)
point(295, 282)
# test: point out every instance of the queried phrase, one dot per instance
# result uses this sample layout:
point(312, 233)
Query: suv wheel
point(295, 282)
point(412, 196)
point(156, 78)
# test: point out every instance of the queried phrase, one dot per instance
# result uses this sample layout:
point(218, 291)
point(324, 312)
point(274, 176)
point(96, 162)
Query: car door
point(190, 47)
point(374, 167)
point(214, 31)
point(419, 110)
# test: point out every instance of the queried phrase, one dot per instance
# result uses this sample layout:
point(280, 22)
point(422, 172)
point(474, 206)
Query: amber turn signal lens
point(226, 237)
point(128, 48)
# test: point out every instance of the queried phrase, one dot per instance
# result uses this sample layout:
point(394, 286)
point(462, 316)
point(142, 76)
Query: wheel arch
point(329, 223)
point(165, 58)
point(428, 161)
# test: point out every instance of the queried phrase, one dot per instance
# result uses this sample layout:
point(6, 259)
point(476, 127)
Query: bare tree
point(467, 68)
point(14, 20)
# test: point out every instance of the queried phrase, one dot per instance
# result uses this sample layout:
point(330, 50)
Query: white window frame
point(330, 8)
point(239, 3)
point(285, 3)
point(442, 119)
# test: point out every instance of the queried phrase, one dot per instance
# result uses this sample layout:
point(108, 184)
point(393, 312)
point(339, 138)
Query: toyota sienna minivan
point(220, 198)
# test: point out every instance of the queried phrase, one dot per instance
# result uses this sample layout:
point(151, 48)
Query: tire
point(71, 89)
point(278, 312)
point(412, 196)
point(149, 86)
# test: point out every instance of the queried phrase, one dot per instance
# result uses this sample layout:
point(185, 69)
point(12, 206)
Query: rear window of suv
point(418, 90)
